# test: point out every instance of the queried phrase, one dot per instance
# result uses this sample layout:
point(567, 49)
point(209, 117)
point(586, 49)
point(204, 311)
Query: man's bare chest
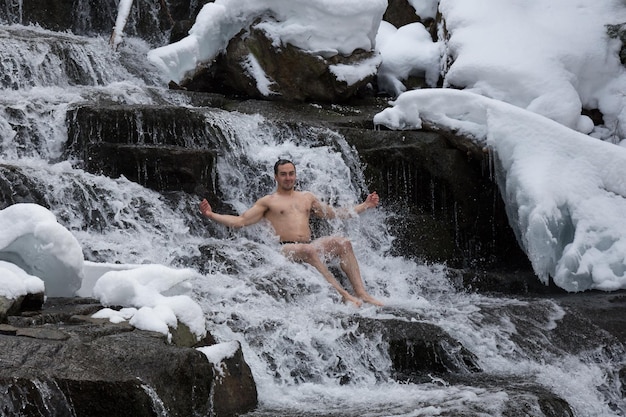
point(290, 206)
point(295, 208)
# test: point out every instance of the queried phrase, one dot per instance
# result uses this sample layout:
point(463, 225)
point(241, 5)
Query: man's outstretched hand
point(205, 208)
point(372, 200)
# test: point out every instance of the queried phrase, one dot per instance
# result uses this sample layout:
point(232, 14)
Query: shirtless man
point(289, 211)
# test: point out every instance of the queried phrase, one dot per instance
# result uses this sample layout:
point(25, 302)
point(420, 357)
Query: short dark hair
point(282, 162)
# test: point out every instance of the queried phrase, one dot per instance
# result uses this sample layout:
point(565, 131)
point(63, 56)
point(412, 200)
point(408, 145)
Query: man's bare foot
point(371, 300)
point(353, 300)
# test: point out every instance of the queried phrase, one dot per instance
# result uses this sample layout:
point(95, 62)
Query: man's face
point(286, 176)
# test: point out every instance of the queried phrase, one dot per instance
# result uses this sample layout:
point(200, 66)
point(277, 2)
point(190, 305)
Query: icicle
point(123, 10)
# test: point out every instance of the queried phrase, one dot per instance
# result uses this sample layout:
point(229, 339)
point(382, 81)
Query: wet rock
point(8, 329)
point(182, 336)
point(424, 353)
point(14, 306)
point(162, 148)
point(419, 350)
point(7, 306)
point(231, 382)
point(61, 362)
point(506, 281)
point(157, 168)
point(523, 399)
point(85, 17)
point(61, 397)
point(43, 334)
point(17, 187)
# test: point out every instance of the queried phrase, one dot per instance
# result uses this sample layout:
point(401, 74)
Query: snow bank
point(407, 51)
point(565, 192)
point(323, 27)
point(522, 54)
point(37, 254)
point(14, 282)
point(34, 242)
point(158, 292)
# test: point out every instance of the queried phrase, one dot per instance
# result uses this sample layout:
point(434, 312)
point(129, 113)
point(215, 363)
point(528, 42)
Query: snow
point(256, 72)
point(123, 10)
point(424, 8)
point(322, 27)
point(34, 242)
point(407, 51)
point(549, 66)
point(565, 191)
point(216, 354)
point(351, 74)
point(158, 292)
point(15, 283)
point(521, 97)
point(37, 255)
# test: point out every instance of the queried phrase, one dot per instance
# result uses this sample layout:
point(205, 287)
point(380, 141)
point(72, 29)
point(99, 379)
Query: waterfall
point(309, 353)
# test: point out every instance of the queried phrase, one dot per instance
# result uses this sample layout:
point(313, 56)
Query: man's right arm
point(250, 216)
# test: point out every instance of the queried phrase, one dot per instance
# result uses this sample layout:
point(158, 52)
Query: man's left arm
point(325, 211)
point(370, 202)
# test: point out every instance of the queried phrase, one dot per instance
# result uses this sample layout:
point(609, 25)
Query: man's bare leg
point(342, 248)
point(302, 252)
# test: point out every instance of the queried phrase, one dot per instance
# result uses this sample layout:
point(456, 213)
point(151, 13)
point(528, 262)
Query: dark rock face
point(295, 75)
point(84, 17)
point(59, 361)
point(45, 396)
point(162, 148)
point(400, 13)
point(234, 392)
point(13, 306)
point(451, 211)
point(418, 350)
point(16, 187)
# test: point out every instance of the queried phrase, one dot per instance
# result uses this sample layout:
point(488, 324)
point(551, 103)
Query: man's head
point(281, 162)
point(285, 174)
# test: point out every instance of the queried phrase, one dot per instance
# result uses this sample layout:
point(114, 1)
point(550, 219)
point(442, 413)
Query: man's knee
point(309, 252)
point(344, 244)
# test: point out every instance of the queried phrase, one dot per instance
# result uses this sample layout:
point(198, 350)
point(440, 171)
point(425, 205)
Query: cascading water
point(306, 349)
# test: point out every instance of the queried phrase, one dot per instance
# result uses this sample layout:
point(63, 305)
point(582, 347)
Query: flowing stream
point(306, 351)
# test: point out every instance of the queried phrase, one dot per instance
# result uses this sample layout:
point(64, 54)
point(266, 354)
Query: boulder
point(289, 73)
point(15, 306)
point(60, 361)
point(419, 350)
